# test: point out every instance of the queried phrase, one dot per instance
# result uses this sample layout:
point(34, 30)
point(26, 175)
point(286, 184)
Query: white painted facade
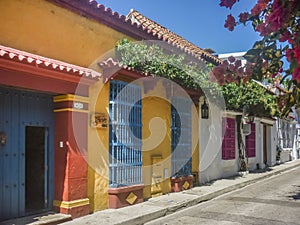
point(288, 139)
point(212, 166)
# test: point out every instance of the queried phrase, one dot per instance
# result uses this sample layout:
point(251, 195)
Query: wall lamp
point(204, 110)
point(248, 115)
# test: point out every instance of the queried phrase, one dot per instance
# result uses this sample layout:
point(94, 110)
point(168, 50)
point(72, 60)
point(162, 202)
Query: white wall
point(212, 166)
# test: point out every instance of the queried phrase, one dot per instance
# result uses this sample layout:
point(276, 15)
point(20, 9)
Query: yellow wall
point(43, 28)
point(98, 152)
point(156, 141)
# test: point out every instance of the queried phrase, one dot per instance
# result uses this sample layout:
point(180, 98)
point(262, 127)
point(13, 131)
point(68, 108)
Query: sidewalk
point(167, 204)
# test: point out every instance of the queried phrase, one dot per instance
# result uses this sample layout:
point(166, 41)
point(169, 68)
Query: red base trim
point(74, 212)
point(178, 183)
point(117, 196)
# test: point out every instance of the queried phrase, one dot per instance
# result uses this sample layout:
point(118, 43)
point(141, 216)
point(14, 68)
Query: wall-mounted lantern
point(204, 110)
point(3, 138)
point(251, 117)
point(248, 115)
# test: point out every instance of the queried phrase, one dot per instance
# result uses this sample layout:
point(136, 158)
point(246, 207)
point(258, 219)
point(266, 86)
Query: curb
point(206, 197)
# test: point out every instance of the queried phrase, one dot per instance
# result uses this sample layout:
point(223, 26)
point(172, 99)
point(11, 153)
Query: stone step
point(48, 218)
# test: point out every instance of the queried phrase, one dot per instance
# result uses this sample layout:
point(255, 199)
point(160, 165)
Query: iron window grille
point(181, 132)
point(125, 135)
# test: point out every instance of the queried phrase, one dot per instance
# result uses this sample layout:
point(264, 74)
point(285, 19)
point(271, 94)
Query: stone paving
point(167, 204)
point(159, 206)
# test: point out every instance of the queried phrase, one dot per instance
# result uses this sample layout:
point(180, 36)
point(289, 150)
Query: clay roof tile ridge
point(170, 36)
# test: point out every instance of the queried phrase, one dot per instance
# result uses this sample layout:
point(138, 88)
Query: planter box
point(125, 196)
point(181, 183)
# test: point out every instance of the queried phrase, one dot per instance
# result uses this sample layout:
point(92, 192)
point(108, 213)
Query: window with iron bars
point(125, 135)
point(181, 131)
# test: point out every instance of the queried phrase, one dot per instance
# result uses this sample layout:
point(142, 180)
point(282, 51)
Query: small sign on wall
point(99, 120)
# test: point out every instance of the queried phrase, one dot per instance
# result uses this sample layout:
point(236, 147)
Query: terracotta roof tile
point(171, 37)
point(102, 14)
point(39, 61)
point(135, 25)
point(113, 66)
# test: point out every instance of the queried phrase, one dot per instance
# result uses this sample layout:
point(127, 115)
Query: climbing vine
point(152, 59)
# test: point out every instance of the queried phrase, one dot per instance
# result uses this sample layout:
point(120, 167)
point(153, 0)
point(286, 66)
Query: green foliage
point(253, 95)
point(152, 59)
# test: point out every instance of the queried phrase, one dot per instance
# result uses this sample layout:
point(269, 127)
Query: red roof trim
point(37, 61)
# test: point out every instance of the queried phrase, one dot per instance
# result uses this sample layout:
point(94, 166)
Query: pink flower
point(274, 75)
point(238, 63)
point(230, 22)
point(258, 8)
point(262, 29)
point(219, 71)
point(288, 54)
point(229, 78)
point(296, 74)
point(227, 3)
point(221, 81)
point(231, 67)
point(244, 17)
point(285, 36)
point(225, 64)
point(240, 70)
point(278, 15)
point(231, 59)
point(297, 54)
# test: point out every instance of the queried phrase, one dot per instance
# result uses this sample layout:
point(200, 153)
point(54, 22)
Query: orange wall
point(43, 28)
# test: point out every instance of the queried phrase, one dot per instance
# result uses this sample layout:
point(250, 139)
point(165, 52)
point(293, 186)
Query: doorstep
point(47, 218)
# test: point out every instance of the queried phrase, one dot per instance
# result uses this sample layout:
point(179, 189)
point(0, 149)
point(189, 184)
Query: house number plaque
point(99, 120)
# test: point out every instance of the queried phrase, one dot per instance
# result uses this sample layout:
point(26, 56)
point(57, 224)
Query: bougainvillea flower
point(262, 29)
point(238, 63)
point(259, 7)
point(219, 71)
point(297, 54)
point(230, 22)
point(231, 59)
point(284, 36)
point(243, 17)
point(288, 54)
point(296, 74)
point(227, 3)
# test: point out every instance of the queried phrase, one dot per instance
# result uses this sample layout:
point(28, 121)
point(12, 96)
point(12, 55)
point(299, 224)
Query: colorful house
point(229, 138)
point(70, 142)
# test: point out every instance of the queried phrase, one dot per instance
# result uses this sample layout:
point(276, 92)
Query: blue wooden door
point(23, 116)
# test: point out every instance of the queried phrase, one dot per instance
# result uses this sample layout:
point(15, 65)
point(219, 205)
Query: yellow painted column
point(98, 154)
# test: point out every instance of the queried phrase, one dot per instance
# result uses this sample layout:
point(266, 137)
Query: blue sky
point(199, 21)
